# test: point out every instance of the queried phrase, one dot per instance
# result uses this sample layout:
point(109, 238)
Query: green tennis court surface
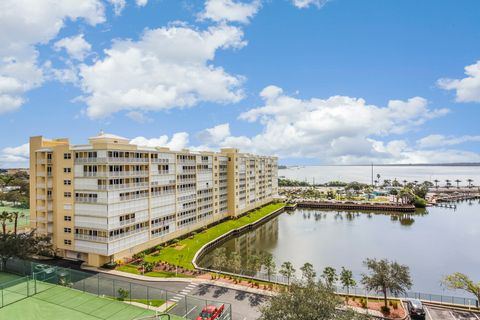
point(53, 302)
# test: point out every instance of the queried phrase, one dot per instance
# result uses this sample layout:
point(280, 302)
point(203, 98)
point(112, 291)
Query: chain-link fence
point(257, 278)
point(154, 298)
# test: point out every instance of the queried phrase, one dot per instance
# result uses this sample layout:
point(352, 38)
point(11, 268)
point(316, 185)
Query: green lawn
point(184, 251)
point(22, 221)
point(153, 302)
point(159, 274)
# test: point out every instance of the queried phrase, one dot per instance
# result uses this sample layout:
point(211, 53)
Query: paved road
point(244, 304)
point(445, 313)
point(438, 313)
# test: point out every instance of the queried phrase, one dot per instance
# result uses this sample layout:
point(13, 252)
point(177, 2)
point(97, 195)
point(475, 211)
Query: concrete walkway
point(186, 280)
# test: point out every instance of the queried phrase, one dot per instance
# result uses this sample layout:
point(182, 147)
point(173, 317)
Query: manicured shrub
point(385, 310)
point(110, 265)
point(123, 294)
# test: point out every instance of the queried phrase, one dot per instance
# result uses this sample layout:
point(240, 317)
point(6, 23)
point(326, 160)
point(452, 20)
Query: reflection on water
point(432, 242)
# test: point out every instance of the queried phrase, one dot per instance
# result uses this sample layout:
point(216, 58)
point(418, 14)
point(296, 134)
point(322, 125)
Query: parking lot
point(438, 313)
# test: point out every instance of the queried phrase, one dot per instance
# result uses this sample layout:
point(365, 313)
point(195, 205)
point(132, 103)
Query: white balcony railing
point(123, 186)
point(90, 238)
point(115, 173)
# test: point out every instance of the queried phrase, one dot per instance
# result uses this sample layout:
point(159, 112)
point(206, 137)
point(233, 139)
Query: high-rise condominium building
point(110, 199)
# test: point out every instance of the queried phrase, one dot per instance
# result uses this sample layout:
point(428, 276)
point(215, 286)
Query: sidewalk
point(186, 280)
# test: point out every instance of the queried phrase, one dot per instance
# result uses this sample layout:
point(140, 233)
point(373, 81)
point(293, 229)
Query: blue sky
point(311, 81)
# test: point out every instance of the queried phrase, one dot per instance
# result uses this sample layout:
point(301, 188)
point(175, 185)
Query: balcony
point(127, 160)
point(126, 234)
point(40, 197)
point(90, 160)
point(41, 174)
point(115, 174)
point(156, 160)
point(86, 200)
point(90, 238)
point(111, 187)
point(40, 208)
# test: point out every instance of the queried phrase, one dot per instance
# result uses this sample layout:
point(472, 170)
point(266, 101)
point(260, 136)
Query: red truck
point(211, 312)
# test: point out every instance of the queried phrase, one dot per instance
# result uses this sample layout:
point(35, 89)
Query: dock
point(356, 206)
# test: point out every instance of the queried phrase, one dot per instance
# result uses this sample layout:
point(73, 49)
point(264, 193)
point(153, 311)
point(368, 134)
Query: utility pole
point(372, 174)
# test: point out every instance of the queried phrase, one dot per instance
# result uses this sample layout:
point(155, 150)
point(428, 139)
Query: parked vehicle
point(211, 312)
point(415, 309)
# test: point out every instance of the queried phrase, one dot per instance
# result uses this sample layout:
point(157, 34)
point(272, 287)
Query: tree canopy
point(307, 301)
point(461, 281)
point(385, 276)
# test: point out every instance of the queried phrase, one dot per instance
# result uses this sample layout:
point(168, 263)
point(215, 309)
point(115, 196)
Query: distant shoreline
point(387, 165)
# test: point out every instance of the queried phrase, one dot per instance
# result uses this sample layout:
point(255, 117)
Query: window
point(67, 170)
point(67, 230)
point(67, 218)
point(67, 156)
point(67, 182)
point(67, 242)
point(67, 194)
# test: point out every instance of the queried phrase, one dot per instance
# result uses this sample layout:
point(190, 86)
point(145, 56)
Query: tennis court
point(54, 302)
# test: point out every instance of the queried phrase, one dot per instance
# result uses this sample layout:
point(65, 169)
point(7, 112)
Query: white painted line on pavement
point(190, 311)
point(428, 313)
point(451, 313)
point(476, 315)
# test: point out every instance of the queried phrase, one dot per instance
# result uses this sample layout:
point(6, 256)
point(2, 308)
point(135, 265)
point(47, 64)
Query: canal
point(432, 242)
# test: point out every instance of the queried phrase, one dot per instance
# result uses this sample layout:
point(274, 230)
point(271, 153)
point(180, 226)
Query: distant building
point(110, 199)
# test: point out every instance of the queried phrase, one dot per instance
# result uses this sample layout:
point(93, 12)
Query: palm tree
point(269, 264)
point(458, 181)
point(469, 182)
point(254, 264)
point(15, 216)
point(287, 270)
point(436, 183)
point(5, 217)
point(447, 183)
point(405, 182)
point(415, 182)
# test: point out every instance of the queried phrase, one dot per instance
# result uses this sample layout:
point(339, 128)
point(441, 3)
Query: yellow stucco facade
point(110, 199)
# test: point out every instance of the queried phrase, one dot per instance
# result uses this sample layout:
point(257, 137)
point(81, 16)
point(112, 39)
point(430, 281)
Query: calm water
point(433, 243)
point(323, 174)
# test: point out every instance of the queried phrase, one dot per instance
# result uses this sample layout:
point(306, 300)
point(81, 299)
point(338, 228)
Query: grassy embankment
point(181, 254)
point(159, 274)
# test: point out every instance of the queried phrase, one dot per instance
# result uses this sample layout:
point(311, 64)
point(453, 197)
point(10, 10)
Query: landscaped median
point(182, 252)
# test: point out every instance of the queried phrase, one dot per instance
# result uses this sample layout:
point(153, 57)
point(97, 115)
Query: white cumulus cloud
point(230, 10)
point(24, 24)
point(118, 6)
point(12, 157)
point(214, 135)
point(178, 141)
point(338, 129)
point(439, 140)
point(301, 4)
point(466, 89)
point(167, 68)
point(77, 47)
point(141, 3)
